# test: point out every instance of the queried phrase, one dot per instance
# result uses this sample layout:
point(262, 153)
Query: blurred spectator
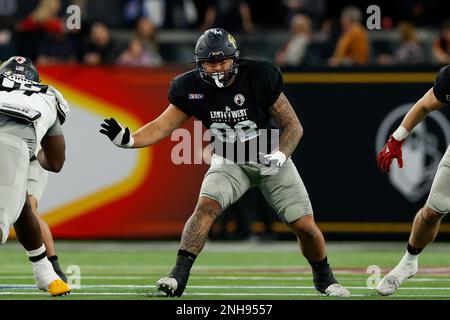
point(353, 45)
point(132, 11)
point(146, 34)
point(441, 47)
point(409, 50)
point(34, 27)
point(137, 55)
point(315, 9)
point(295, 50)
point(231, 15)
point(56, 48)
point(174, 14)
point(7, 11)
point(100, 48)
point(43, 19)
point(108, 12)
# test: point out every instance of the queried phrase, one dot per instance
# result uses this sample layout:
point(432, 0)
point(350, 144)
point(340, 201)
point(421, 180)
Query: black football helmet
point(20, 67)
point(215, 45)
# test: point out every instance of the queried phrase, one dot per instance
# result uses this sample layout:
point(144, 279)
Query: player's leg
point(47, 239)
point(424, 230)
point(222, 186)
point(29, 234)
point(287, 194)
point(193, 239)
point(15, 210)
point(36, 184)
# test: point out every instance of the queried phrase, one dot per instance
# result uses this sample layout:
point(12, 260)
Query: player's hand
point(276, 159)
point(392, 150)
point(119, 135)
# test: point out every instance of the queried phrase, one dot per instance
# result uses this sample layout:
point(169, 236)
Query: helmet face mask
point(216, 45)
point(218, 78)
point(20, 68)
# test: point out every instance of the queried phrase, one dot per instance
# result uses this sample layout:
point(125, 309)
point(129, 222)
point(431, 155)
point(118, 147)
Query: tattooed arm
point(284, 115)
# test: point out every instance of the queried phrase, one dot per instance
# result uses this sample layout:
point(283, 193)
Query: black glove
point(120, 136)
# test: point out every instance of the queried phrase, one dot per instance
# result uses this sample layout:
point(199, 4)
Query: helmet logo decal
point(232, 41)
point(20, 59)
point(216, 31)
point(239, 99)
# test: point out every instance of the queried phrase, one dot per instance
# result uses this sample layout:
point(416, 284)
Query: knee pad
point(218, 188)
point(439, 198)
point(439, 202)
point(296, 211)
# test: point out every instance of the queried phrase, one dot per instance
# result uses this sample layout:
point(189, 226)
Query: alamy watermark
point(73, 273)
point(374, 278)
point(241, 144)
point(373, 22)
point(73, 20)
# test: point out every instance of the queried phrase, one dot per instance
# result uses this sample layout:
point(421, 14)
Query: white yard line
point(218, 294)
point(126, 286)
point(244, 278)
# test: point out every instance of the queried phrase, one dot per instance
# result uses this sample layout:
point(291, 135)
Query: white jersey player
point(30, 115)
point(36, 184)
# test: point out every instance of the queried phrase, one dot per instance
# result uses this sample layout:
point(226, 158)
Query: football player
point(427, 220)
point(29, 115)
point(239, 101)
point(36, 183)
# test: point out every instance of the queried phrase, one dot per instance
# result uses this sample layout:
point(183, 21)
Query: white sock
point(409, 258)
point(42, 269)
point(36, 253)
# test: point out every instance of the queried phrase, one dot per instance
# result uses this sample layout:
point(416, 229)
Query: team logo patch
point(20, 59)
point(195, 96)
point(239, 99)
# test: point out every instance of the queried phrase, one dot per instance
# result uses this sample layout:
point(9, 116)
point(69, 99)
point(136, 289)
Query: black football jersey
point(441, 88)
point(237, 115)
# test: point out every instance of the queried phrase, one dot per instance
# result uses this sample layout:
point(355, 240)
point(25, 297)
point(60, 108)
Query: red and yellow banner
point(156, 197)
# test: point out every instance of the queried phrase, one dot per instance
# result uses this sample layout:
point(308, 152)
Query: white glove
point(278, 159)
point(119, 135)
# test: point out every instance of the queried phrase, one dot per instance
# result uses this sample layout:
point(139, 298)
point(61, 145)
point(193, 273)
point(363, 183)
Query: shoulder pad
point(61, 104)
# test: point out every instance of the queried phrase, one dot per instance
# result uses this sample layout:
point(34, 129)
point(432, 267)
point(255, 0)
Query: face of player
point(218, 66)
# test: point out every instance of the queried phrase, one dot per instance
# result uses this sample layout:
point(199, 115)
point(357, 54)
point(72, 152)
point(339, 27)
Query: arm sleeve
point(271, 83)
point(55, 129)
point(441, 88)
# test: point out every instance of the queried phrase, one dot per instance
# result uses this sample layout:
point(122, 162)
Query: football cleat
point(168, 286)
point(336, 290)
point(394, 279)
point(47, 279)
point(61, 275)
point(58, 288)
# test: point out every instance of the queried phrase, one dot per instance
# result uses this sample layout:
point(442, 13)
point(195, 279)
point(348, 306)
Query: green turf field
point(236, 270)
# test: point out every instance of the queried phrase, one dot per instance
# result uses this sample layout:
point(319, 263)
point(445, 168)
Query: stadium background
point(108, 193)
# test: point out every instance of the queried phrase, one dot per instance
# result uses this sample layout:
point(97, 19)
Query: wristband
point(400, 134)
